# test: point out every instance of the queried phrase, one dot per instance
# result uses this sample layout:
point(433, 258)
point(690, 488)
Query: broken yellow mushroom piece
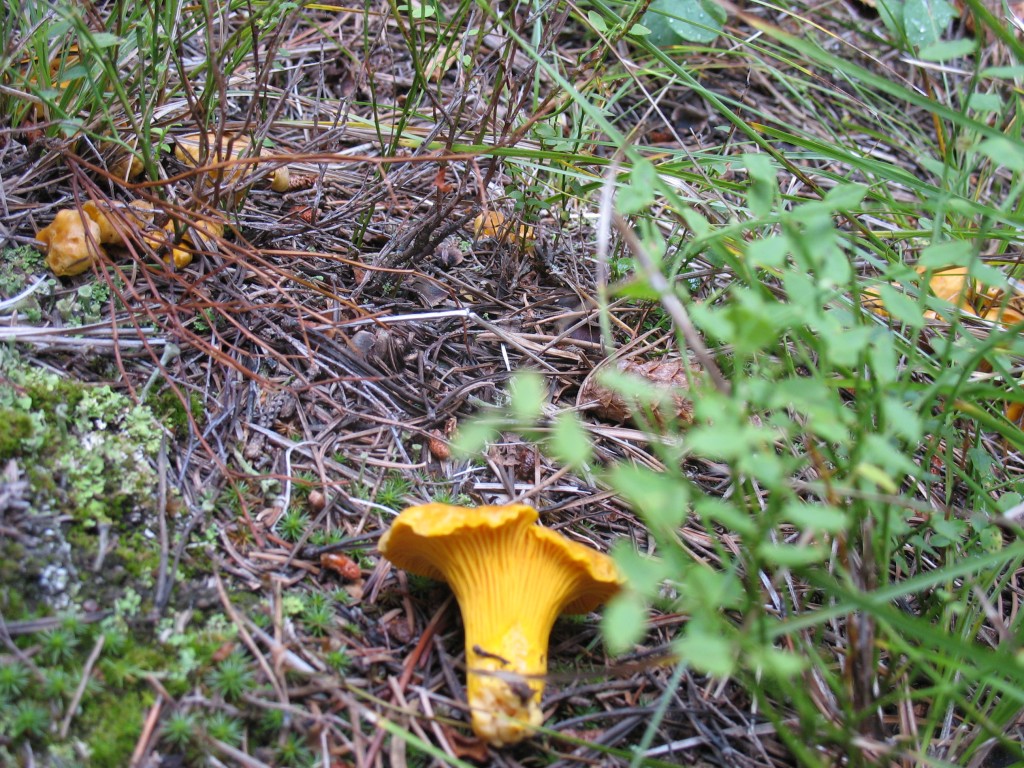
point(512, 579)
point(189, 148)
point(204, 233)
point(127, 166)
point(281, 181)
point(489, 224)
point(950, 284)
point(164, 238)
point(72, 242)
point(138, 210)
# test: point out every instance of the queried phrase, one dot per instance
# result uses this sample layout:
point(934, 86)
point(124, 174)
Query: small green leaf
point(846, 197)
point(1009, 154)
point(643, 574)
point(790, 556)
point(763, 183)
point(597, 22)
point(845, 346)
point(637, 288)
point(660, 497)
point(924, 21)
point(707, 652)
point(104, 40)
point(475, 434)
point(725, 514)
point(1004, 73)
point(529, 394)
point(944, 50)
point(953, 253)
point(570, 442)
point(769, 252)
point(902, 420)
point(901, 306)
point(783, 665)
point(699, 225)
point(698, 21)
point(639, 193)
point(816, 517)
point(624, 622)
point(877, 476)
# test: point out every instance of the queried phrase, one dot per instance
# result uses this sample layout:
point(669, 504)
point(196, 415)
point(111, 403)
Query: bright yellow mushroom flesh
point(512, 579)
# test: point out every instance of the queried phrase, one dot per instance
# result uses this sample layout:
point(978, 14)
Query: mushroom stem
point(509, 605)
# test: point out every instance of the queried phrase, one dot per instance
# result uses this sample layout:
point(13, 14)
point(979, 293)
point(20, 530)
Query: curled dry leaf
point(472, 747)
point(72, 242)
point(343, 565)
point(670, 377)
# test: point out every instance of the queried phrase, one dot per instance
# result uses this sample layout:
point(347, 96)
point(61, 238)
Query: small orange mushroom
point(512, 579)
point(72, 242)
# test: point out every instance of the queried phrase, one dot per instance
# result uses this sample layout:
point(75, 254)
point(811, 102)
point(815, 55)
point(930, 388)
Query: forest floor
point(201, 441)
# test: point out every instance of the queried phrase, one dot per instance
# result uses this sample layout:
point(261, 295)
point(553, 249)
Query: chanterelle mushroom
point(512, 579)
point(72, 242)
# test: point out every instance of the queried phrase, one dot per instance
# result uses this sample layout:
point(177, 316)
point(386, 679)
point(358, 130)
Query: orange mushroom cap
point(512, 579)
point(72, 242)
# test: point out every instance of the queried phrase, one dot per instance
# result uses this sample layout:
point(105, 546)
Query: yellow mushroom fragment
point(512, 579)
point(72, 242)
point(138, 212)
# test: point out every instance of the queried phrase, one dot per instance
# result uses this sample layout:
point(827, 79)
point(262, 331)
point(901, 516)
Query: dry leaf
point(471, 747)
point(439, 181)
point(669, 376)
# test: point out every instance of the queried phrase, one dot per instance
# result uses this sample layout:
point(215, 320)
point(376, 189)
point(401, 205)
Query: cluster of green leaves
point(830, 418)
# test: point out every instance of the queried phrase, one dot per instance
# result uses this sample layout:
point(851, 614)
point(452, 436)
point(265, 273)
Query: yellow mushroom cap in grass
point(512, 579)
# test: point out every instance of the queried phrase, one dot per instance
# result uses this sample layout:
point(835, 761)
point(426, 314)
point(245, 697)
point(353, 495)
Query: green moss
point(113, 723)
point(93, 439)
point(168, 408)
point(18, 430)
